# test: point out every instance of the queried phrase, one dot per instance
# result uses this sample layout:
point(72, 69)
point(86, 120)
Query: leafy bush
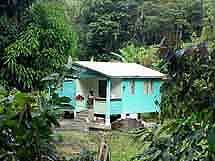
point(188, 101)
point(26, 129)
point(147, 56)
point(176, 140)
point(190, 86)
point(85, 155)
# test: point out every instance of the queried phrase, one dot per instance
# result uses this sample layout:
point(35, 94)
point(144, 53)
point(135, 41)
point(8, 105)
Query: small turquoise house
point(124, 89)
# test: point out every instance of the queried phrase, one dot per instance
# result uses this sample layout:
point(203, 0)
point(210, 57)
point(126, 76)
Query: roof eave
point(82, 66)
point(140, 77)
point(115, 77)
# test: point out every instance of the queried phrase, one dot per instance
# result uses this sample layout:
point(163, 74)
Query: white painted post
point(123, 116)
point(133, 116)
point(108, 97)
point(75, 113)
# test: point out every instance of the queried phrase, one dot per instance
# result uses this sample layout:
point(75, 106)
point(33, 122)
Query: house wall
point(137, 103)
point(140, 102)
point(116, 107)
point(68, 90)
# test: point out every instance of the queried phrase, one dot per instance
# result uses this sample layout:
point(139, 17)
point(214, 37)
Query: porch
point(102, 95)
point(100, 105)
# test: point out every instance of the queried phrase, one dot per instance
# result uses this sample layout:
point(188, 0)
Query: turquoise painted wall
point(91, 74)
point(116, 107)
point(140, 102)
point(69, 90)
point(137, 103)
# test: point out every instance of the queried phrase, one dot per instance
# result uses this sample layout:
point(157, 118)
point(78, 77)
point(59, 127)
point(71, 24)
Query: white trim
point(107, 122)
point(123, 116)
point(133, 116)
point(75, 113)
point(108, 95)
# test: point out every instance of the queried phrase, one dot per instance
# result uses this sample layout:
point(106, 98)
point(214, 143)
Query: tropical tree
point(108, 24)
point(187, 109)
point(14, 8)
point(41, 48)
point(171, 18)
point(208, 32)
point(26, 123)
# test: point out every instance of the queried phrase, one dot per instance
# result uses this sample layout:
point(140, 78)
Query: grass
point(121, 145)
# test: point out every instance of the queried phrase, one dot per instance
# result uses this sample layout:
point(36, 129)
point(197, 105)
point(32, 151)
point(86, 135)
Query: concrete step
point(82, 113)
point(78, 120)
point(78, 116)
point(72, 129)
point(84, 119)
point(73, 124)
point(68, 122)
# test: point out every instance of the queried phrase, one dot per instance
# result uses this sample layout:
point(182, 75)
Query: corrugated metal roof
point(120, 70)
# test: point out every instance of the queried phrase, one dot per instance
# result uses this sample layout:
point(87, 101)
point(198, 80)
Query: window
point(116, 88)
point(102, 88)
point(132, 87)
point(148, 87)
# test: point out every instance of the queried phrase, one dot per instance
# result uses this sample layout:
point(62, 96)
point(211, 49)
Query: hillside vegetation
point(176, 37)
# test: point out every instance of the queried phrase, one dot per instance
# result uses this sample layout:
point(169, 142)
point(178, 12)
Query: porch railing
point(100, 105)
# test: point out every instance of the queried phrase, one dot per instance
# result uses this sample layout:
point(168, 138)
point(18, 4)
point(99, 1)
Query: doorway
point(102, 88)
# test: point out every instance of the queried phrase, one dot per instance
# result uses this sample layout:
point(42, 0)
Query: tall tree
point(109, 24)
point(41, 48)
point(14, 8)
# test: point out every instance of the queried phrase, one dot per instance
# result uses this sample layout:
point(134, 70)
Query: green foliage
point(189, 87)
point(56, 100)
point(177, 140)
point(44, 44)
point(208, 32)
point(25, 130)
point(74, 8)
point(108, 24)
point(147, 56)
point(188, 101)
point(14, 8)
point(170, 16)
point(85, 155)
point(8, 32)
point(121, 145)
